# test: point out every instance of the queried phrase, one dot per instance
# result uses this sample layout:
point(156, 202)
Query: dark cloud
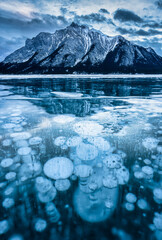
point(124, 15)
point(124, 31)
point(153, 24)
point(140, 32)
point(103, 10)
point(39, 22)
point(150, 32)
point(93, 18)
point(159, 4)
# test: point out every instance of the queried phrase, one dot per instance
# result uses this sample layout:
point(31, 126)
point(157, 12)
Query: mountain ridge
point(80, 49)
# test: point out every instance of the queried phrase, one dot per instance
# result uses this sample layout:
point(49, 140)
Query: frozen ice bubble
point(58, 168)
point(113, 161)
point(147, 170)
point(40, 225)
point(62, 184)
point(73, 141)
point(158, 195)
point(63, 119)
point(6, 142)
point(88, 128)
point(35, 141)
point(18, 129)
point(142, 204)
point(47, 196)
point(21, 143)
point(10, 176)
point(83, 171)
point(20, 136)
point(158, 221)
point(131, 198)
point(16, 237)
point(122, 175)
point(4, 226)
point(159, 149)
point(24, 151)
point(150, 143)
point(139, 174)
point(100, 142)
point(59, 141)
point(35, 167)
point(110, 182)
point(129, 206)
point(8, 203)
point(43, 185)
point(147, 161)
point(9, 126)
point(86, 152)
point(52, 211)
point(7, 162)
point(8, 191)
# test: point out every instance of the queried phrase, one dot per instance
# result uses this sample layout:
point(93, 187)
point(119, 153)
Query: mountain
point(80, 49)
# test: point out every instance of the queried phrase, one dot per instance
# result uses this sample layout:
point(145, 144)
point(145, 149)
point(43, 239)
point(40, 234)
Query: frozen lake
point(80, 157)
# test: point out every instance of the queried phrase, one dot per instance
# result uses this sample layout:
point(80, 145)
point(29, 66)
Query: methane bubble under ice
point(88, 128)
point(58, 168)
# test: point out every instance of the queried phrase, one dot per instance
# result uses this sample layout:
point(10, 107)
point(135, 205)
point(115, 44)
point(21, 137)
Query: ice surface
point(67, 94)
point(58, 168)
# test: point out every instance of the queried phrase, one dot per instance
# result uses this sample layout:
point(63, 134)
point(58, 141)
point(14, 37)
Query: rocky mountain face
point(78, 49)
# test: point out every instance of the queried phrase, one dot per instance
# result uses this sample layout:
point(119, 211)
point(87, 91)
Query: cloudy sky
point(139, 21)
